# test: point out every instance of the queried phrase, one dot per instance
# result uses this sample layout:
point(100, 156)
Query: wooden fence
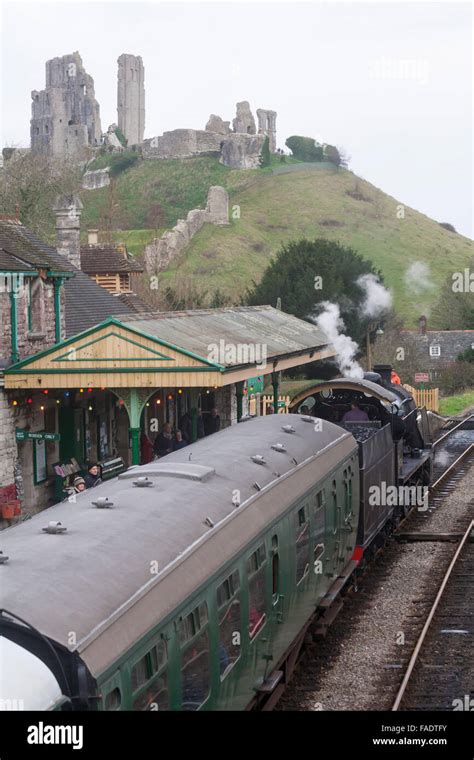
point(266, 404)
point(427, 397)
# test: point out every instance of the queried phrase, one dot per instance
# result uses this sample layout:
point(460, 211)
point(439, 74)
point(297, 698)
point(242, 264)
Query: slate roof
point(96, 259)
point(451, 343)
point(19, 244)
point(87, 303)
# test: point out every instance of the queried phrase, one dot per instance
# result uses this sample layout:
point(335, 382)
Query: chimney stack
point(423, 322)
point(92, 237)
point(68, 209)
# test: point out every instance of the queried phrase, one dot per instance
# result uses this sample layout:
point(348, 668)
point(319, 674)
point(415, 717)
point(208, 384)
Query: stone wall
point(241, 151)
point(93, 180)
point(65, 115)
point(160, 252)
point(68, 209)
point(182, 143)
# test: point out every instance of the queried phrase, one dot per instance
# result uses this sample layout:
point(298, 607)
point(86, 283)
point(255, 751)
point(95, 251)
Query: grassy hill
point(276, 205)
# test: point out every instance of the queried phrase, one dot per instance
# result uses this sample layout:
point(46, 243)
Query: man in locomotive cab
point(355, 414)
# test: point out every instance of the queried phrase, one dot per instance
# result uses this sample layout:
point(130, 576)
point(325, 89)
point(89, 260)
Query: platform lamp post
point(370, 329)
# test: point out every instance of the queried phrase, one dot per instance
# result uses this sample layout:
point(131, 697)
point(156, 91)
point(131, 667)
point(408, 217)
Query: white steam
point(418, 278)
point(331, 323)
point(378, 300)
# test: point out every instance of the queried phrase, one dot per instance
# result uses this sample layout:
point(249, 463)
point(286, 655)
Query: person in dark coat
point(186, 427)
point(92, 477)
point(179, 442)
point(164, 441)
point(200, 425)
point(213, 422)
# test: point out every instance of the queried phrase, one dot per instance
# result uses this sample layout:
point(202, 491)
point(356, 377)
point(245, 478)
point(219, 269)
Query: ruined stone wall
point(131, 98)
point(241, 151)
point(65, 115)
point(161, 251)
point(182, 143)
point(93, 180)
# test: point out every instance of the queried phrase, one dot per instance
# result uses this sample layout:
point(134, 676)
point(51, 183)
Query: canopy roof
point(212, 347)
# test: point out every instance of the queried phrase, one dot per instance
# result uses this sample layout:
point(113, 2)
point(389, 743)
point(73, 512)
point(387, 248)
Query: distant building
point(435, 349)
point(113, 268)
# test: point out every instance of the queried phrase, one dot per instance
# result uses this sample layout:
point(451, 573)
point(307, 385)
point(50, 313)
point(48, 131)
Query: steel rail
point(429, 619)
point(449, 471)
point(449, 432)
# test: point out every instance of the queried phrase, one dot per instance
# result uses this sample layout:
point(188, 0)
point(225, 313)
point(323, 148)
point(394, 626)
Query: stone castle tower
point(131, 98)
point(65, 115)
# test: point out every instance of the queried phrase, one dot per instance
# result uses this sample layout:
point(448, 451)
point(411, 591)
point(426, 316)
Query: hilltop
point(272, 206)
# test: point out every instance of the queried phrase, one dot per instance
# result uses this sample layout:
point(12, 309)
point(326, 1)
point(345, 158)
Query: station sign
point(422, 377)
point(26, 435)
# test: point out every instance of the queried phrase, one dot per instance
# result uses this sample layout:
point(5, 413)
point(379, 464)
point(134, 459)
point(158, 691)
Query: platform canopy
point(208, 347)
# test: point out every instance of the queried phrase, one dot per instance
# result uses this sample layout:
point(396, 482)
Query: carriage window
point(151, 685)
point(191, 624)
point(302, 544)
point(319, 523)
point(149, 664)
point(256, 579)
point(113, 699)
point(155, 696)
point(228, 603)
point(195, 673)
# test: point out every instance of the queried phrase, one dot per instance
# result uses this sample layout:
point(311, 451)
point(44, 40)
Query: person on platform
point(395, 378)
point(186, 427)
point(92, 477)
point(146, 447)
point(164, 441)
point(78, 485)
point(355, 414)
point(213, 422)
point(200, 425)
point(179, 442)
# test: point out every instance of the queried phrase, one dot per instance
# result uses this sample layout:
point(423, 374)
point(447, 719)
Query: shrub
point(332, 154)
point(467, 355)
point(305, 148)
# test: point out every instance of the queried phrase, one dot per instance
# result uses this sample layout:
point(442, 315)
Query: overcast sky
point(390, 82)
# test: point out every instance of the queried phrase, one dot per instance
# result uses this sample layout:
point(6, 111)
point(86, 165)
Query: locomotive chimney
point(385, 372)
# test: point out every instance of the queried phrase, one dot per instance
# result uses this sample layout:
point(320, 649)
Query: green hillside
point(275, 206)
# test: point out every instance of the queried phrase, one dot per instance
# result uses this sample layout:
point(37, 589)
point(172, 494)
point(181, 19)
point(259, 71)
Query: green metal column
point(14, 324)
point(57, 308)
point(239, 393)
point(276, 389)
point(134, 411)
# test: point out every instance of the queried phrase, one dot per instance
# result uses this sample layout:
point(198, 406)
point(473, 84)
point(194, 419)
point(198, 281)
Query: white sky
point(389, 81)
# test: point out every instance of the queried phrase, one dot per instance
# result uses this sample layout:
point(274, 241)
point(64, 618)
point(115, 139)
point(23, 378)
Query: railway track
point(454, 456)
point(440, 673)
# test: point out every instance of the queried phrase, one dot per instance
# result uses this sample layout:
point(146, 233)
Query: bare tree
point(31, 182)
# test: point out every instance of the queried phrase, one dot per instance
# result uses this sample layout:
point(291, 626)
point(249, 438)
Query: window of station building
point(256, 567)
point(435, 350)
point(229, 615)
point(302, 544)
point(319, 523)
point(149, 679)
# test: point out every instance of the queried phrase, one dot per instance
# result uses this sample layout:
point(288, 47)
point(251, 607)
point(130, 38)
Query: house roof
point(451, 342)
point(87, 303)
point(277, 333)
point(96, 259)
point(20, 246)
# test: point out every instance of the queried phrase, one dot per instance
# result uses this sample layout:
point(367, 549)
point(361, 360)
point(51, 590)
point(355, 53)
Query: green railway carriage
point(190, 587)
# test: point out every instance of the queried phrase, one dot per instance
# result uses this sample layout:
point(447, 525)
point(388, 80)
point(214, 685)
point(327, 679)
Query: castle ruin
point(65, 115)
point(131, 98)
